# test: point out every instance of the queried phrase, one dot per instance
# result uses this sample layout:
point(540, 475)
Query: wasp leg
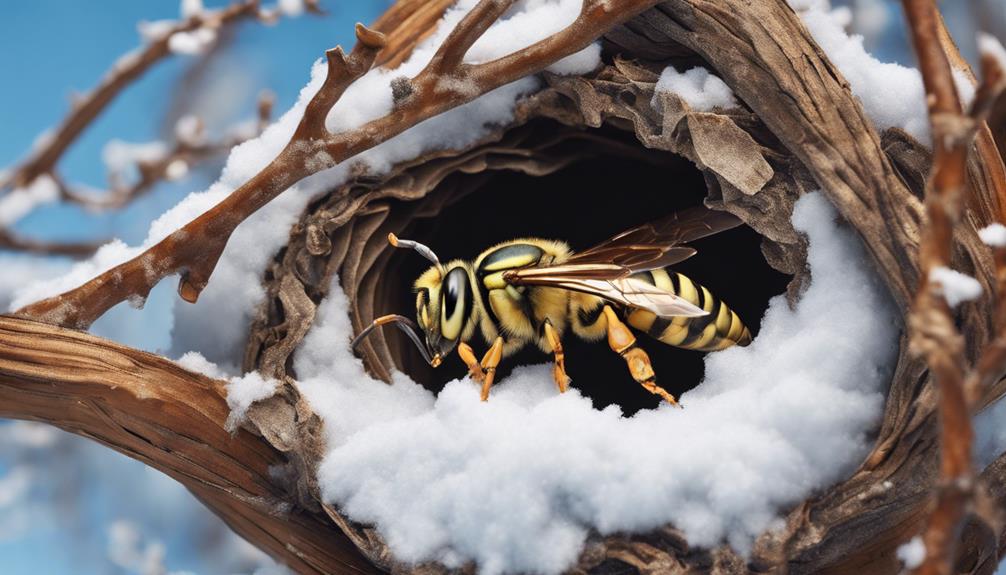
point(489, 362)
point(468, 356)
point(559, 370)
point(623, 343)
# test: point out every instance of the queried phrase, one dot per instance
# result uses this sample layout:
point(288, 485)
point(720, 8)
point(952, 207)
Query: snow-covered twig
point(933, 331)
point(191, 148)
point(122, 74)
point(446, 83)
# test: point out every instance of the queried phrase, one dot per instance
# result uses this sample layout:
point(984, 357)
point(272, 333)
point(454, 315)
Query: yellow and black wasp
point(533, 290)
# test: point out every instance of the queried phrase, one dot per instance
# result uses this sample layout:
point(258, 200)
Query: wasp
point(532, 291)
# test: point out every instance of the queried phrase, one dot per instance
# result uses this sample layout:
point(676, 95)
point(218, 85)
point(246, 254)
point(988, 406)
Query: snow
point(120, 156)
point(892, 95)
point(244, 391)
point(194, 361)
point(192, 43)
point(700, 89)
point(582, 62)
point(190, 8)
point(176, 170)
point(19, 202)
point(912, 554)
point(990, 45)
point(189, 129)
point(993, 235)
point(957, 287)
point(516, 483)
point(151, 31)
point(291, 7)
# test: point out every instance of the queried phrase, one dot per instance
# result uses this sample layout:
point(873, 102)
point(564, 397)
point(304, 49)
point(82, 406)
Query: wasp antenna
point(407, 326)
point(423, 250)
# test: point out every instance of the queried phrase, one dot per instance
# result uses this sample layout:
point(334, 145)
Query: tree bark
point(152, 410)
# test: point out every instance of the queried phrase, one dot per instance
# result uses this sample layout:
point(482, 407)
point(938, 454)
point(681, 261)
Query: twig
point(934, 333)
point(194, 250)
point(14, 242)
point(123, 73)
point(188, 150)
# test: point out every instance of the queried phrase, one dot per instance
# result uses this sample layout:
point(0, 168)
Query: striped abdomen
point(720, 329)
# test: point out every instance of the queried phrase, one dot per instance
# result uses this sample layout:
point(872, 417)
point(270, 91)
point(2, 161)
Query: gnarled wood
point(174, 420)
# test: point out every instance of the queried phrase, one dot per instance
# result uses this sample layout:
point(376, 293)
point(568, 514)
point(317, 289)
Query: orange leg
point(468, 356)
point(623, 342)
point(559, 370)
point(489, 362)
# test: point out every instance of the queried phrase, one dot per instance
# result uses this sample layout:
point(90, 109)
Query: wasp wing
point(657, 244)
point(626, 291)
point(605, 269)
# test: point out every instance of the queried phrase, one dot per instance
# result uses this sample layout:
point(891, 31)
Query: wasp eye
point(456, 303)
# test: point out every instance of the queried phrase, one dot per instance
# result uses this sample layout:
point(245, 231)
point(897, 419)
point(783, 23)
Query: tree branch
point(122, 74)
point(934, 333)
point(154, 411)
point(194, 250)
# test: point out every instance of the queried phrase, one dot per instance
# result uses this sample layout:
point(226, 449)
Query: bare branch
point(187, 151)
point(14, 242)
point(154, 411)
point(195, 249)
point(933, 331)
point(121, 75)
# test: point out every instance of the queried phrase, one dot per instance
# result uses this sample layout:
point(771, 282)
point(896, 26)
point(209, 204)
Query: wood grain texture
point(152, 410)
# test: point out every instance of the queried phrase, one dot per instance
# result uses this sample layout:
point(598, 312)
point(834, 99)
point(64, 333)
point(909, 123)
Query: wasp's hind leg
point(559, 370)
point(468, 356)
point(623, 342)
point(489, 362)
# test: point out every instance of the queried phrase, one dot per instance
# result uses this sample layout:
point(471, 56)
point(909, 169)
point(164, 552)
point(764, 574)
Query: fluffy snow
point(291, 7)
point(957, 287)
point(700, 89)
point(190, 8)
point(892, 95)
point(993, 235)
point(991, 46)
point(516, 484)
point(192, 43)
point(912, 554)
point(582, 62)
point(242, 392)
point(120, 156)
point(19, 202)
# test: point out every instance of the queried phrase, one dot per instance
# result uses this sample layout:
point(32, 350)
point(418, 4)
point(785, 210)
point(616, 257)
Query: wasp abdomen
point(720, 329)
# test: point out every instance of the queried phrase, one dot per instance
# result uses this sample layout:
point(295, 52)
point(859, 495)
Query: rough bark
point(152, 410)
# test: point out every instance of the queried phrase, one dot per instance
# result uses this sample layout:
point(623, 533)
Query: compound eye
point(456, 304)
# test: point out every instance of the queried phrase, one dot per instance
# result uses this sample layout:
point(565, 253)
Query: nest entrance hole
point(582, 204)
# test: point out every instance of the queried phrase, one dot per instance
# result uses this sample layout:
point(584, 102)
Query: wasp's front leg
point(468, 356)
point(489, 362)
point(559, 369)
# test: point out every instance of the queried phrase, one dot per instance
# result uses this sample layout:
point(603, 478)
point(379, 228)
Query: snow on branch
point(156, 162)
point(39, 171)
point(121, 75)
point(933, 330)
point(446, 83)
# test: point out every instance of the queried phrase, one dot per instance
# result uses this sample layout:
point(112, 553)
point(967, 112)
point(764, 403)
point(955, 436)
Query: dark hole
point(583, 205)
